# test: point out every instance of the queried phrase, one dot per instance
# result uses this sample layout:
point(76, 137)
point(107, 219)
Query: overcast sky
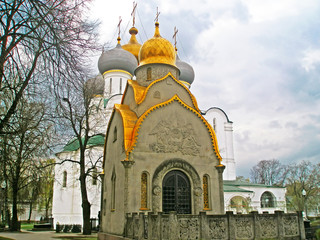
point(257, 60)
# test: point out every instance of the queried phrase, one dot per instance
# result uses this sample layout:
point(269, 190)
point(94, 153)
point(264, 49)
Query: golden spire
point(133, 46)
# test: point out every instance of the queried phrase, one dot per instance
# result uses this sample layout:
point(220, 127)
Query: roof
point(236, 183)
point(73, 144)
point(228, 188)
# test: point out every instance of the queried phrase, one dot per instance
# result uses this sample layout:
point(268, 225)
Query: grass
point(4, 238)
point(76, 238)
point(26, 226)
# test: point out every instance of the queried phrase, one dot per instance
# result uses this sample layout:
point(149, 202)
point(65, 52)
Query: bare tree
point(303, 176)
point(23, 151)
point(40, 41)
point(269, 172)
point(76, 110)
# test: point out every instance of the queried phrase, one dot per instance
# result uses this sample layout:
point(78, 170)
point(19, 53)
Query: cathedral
point(160, 153)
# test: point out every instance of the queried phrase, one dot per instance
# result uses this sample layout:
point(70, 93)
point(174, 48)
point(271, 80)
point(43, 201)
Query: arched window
point(120, 85)
point(113, 191)
point(144, 191)
point(115, 134)
point(206, 198)
point(267, 200)
point(110, 86)
point(156, 94)
point(94, 176)
point(149, 74)
point(240, 204)
point(64, 180)
point(214, 124)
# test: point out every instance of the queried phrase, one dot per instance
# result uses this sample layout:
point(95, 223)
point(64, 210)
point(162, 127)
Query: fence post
point(231, 225)
point(174, 226)
point(204, 232)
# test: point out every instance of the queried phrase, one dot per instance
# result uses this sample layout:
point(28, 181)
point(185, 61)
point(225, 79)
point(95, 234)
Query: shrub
point(318, 234)
point(76, 228)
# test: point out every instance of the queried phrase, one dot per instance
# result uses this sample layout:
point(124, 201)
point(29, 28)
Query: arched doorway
point(176, 193)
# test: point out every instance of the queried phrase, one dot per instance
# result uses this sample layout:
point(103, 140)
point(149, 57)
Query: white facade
point(255, 197)
point(224, 132)
point(66, 205)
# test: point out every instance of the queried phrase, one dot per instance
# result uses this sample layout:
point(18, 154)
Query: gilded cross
point(175, 37)
point(120, 20)
point(157, 16)
point(133, 14)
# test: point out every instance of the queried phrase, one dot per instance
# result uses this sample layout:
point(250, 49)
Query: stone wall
point(227, 226)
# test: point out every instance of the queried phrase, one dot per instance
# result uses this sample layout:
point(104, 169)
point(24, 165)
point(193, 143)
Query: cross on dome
point(120, 20)
point(133, 14)
point(175, 38)
point(157, 16)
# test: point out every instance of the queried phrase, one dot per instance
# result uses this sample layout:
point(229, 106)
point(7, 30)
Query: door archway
point(176, 193)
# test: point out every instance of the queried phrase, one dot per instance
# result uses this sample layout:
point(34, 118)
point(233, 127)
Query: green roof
point(73, 144)
point(246, 184)
point(227, 188)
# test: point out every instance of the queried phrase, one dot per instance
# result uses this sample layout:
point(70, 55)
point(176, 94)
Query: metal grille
point(176, 193)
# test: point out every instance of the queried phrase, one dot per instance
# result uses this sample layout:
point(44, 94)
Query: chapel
point(160, 153)
point(155, 149)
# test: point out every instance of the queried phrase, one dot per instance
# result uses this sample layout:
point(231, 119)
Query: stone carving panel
point(290, 224)
point(171, 138)
point(155, 228)
point(243, 228)
point(218, 229)
point(189, 228)
point(268, 227)
point(165, 228)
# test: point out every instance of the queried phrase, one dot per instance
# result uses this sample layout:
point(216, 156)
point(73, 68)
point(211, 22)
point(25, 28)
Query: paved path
point(25, 235)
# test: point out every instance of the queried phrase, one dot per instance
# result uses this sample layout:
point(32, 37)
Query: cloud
point(257, 60)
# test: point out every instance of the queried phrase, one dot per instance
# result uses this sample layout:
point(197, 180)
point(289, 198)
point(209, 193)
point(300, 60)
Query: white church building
point(117, 66)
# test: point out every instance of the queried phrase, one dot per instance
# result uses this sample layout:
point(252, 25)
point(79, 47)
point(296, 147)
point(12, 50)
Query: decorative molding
point(173, 99)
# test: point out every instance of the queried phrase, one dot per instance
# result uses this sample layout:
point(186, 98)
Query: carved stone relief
point(218, 228)
point(156, 190)
point(244, 228)
point(165, 228)
point(189, 228)
point(290, 224)
point(268, 227)
point(171, 138)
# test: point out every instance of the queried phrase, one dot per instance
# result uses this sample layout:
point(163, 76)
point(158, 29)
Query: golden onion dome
point(133, 46)
point(157, 50)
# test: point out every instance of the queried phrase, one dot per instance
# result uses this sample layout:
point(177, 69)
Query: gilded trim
point(174, 98)
point(117, 70)
point(193, 99)
point(137, 90)
point(129, 119)
point(184, 82)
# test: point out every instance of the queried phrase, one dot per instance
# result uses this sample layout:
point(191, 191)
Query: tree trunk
point(30, 211)
point(86, 206)
point(14, 220)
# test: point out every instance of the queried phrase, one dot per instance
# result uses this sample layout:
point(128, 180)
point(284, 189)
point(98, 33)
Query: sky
point(257, 60)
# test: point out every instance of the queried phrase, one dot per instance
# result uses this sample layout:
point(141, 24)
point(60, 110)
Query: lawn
point(26, 226)
point(4, 238)
point(77, 238)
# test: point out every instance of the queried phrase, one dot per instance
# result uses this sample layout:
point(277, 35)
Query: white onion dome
point(117, 59)
point(186, 71)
